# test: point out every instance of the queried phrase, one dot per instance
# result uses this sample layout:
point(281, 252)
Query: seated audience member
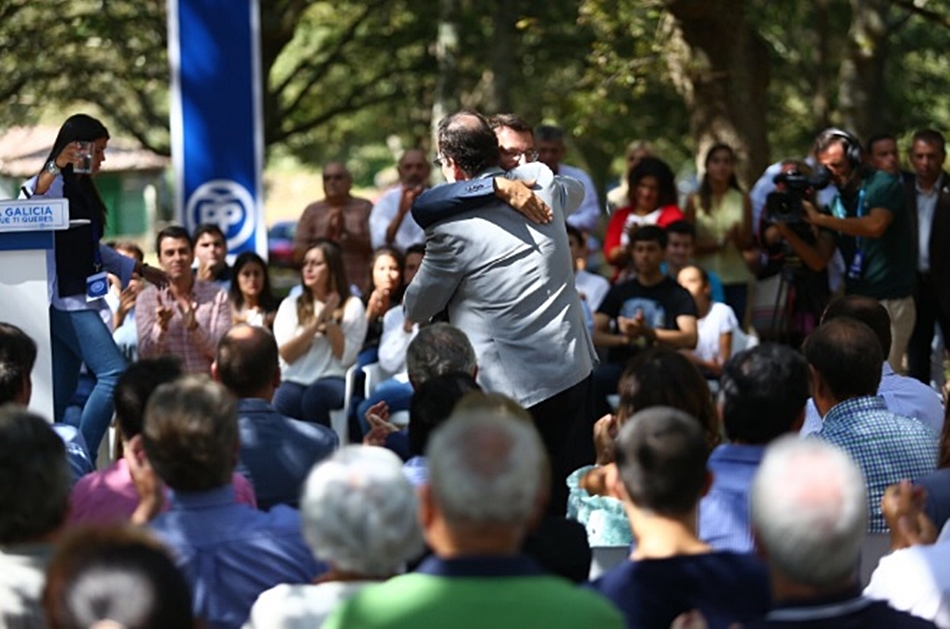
point(117, 577)
point(487, 483)
point(360, 514)
point(660, 477)
point(652, 201)
point(122, 304)
point(558, 544)
point(432, 404)
point(17, 357)
point(385, 293)
point(809, 514)
point(845, 358)
point(913, 577)
point(189, 316)
point(437, 349)
point(109, 496)
point(763, 393)
point(902, 395)
point(656, 377)
point(229, 552)
point(211, 252)
point(649, 309)
point(716, 323)
point(276, 452)
point(396, 335)
point(34, 494)
point(252, 298)
point(681, 243)
point(319, 334)
point(591, 288)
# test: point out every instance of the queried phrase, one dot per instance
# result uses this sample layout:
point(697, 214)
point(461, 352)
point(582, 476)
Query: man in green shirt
point(487, 483)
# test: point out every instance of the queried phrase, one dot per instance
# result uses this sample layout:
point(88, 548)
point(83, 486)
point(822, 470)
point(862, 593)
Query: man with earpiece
point(871, 228)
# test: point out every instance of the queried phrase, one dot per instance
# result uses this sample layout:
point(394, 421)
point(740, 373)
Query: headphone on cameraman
point(852, 146)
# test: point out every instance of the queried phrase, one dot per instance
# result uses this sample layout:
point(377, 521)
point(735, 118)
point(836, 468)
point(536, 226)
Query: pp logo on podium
point(228, 205)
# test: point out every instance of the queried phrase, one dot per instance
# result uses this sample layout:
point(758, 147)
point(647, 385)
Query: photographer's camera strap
point(856, 268)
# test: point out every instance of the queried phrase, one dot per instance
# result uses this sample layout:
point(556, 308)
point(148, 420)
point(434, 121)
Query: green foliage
point(353, 79)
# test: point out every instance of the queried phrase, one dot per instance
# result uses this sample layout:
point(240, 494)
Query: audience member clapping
point(319, 334)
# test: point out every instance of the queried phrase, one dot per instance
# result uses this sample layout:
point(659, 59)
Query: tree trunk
point(502, 50)
point(861, 93)
point(720, 66)
point(446, 53)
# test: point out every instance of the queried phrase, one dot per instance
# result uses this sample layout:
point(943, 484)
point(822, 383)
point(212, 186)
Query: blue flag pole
point(216, 118)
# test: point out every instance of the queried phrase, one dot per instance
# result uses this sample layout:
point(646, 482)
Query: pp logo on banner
point(228, 205)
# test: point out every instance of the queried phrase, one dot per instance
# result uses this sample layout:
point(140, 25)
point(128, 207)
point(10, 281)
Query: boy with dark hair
point(649, 309)
point(660, 476)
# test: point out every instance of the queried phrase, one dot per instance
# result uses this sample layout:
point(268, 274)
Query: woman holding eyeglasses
point(319, 334)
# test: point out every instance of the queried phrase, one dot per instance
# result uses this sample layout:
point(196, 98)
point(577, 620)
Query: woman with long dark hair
point(252, 298)
point(723, 216)
point(319, 334)
point(74, 267)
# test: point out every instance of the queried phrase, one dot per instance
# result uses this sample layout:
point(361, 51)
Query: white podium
point(26, 235)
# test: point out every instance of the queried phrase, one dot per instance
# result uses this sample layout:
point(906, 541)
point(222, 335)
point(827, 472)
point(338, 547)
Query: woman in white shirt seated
point(716, 323)
point(319, 334)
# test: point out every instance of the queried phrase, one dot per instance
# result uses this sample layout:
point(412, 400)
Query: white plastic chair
point(338, 417)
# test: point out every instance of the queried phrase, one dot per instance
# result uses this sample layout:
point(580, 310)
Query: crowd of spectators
point(575, 418)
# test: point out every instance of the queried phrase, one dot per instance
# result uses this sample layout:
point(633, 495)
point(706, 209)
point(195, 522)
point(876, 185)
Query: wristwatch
point(51, 167)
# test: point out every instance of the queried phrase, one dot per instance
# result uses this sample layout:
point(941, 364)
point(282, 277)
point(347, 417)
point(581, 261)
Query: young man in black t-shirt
point(647, 310)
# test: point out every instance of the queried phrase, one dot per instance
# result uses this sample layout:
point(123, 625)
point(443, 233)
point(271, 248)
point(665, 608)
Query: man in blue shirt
point(845, 358)
point(763, 392)
point(277, 452)
point(229, 552)
point(903, 395)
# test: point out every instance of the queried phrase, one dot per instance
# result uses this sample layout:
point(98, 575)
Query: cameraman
point(793, 247)
point(870, 226)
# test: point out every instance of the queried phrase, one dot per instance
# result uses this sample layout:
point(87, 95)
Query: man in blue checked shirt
point(845, 358)
point(764, 391)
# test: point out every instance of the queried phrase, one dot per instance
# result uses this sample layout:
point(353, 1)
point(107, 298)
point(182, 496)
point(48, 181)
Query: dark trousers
point(928, 313)
point(565, 422)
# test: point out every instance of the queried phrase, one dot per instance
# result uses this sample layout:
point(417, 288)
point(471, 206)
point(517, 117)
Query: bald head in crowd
point(246, 362)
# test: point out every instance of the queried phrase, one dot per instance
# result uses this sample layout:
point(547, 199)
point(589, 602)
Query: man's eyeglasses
point(439, 160)
point(530, 155)
point(334, 177)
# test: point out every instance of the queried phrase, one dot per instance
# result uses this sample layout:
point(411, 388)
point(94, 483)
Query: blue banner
point(216, 118)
